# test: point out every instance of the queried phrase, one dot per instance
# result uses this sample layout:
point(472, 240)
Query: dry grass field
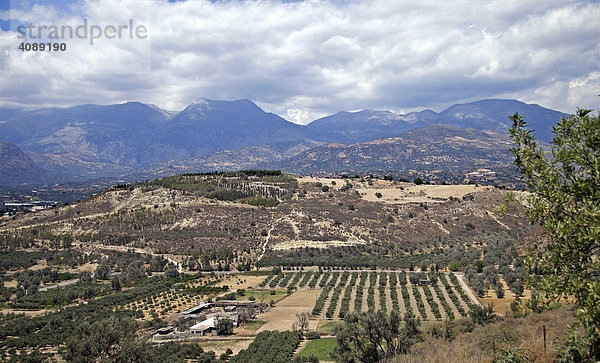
point(236, 282)
point(486, 342)
point(283, 315)
point(502, 306)
point(399, 193)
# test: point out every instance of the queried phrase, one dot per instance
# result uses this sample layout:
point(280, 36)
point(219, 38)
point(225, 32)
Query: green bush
point(313, 335)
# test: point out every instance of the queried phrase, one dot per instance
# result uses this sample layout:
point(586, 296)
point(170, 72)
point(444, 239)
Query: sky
point(304, 59)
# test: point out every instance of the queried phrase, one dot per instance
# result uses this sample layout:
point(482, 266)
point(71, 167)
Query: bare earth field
point(242, 282)
point(220, 346)
point(288, 245)
point(30, 313)
point(502, 306)
point(282, 316)
point(399, 193)
point(417, 193)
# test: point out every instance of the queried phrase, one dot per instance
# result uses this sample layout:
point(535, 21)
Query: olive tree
point(374, 337)
point(565, 200)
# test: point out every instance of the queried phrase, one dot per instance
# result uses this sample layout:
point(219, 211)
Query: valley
point(289, 246)
point(299, 181)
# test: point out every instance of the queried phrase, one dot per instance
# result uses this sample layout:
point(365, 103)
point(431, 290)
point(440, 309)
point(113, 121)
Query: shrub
point(311, 335)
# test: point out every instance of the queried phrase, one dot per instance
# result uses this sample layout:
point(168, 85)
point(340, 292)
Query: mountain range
point(92, 141)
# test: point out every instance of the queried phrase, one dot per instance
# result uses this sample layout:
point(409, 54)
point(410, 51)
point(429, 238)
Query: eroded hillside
point(234, 218)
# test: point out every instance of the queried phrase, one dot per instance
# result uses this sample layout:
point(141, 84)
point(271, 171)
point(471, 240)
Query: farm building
point(206, 327)
point(197, 309)
point(164, 331)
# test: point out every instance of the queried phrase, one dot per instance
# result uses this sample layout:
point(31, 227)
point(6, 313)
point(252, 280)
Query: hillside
point(367, 125)
point(17, 168)
point(492, 114)
point(207, 126)
point(93, 141)
point(438, 149)
point(193, 214)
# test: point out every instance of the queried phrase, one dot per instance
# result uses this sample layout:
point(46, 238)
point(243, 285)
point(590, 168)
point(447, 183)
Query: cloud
point(303, 60)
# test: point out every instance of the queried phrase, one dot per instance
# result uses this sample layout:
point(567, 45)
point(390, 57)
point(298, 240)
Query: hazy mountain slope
point(353, 127)
point(91, 141)
point(208, 126)
point(361, 126)
point(433, 147)
point(493, 115)
point(17, 168)
point(120, 134)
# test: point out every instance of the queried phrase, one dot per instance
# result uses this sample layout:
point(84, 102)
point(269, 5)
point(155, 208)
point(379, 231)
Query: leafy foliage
point(374, 337)
point(566, 201)
point(270, 346)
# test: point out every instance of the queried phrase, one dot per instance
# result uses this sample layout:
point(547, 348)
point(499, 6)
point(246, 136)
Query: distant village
point(13, 208)
point(480, 175)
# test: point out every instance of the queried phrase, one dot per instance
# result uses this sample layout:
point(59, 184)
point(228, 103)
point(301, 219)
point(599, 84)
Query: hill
point(95, 141)
point(433, 149)
point(300, 229)
point(253, 212)
point(361, 126)
point(493, 115)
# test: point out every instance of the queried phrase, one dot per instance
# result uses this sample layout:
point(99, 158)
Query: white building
point(206, 327)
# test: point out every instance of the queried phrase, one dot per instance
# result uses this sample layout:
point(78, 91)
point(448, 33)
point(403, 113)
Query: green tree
point(172, 273)
point(85, 277)
point(102, 271)
point(565, 200)
point(224, 326)
point(115, 283)
point(499, 290)
point(482, 316)
point(112, 339)
point(374, 337)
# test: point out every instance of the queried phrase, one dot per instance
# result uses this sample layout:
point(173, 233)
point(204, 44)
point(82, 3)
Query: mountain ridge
point(437, 152)
point(90, 141)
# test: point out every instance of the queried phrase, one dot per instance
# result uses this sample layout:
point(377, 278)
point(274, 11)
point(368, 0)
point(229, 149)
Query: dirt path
point(400, 299)
point(64, 283)
point(428, 309)
point(413, 302)
point(467, 290)
point(264, 246)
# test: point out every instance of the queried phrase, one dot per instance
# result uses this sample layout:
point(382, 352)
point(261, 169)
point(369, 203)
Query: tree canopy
point(373, 337)
point(565, 200)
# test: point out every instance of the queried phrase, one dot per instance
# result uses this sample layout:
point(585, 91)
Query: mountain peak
point(201, 101)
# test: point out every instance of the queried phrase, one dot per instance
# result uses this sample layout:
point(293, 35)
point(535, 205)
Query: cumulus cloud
point(303, 60)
